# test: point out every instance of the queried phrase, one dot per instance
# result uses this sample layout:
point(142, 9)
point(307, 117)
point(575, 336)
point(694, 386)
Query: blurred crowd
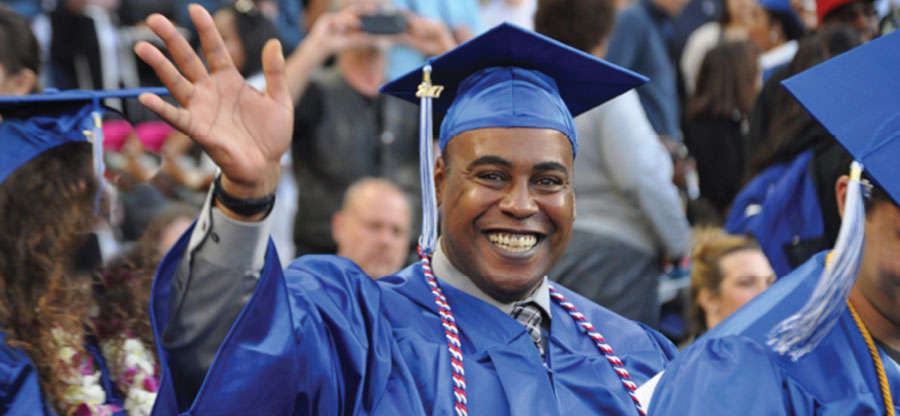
point(702, 144)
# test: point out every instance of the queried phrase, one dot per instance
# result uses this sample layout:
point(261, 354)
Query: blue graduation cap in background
point(35, 123)
point(856, 96)
point(506, 77)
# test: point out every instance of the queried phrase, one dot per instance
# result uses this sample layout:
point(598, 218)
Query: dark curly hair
point(46, 214)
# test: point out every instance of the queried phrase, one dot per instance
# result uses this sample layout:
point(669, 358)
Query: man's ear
point(439, 177)
point(338, 223)
point(840, 191)
point(574, 208)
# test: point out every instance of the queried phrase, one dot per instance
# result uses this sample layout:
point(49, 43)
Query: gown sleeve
point(20, 389)
point(719, 376)
point(213, 281)
point(312, 339)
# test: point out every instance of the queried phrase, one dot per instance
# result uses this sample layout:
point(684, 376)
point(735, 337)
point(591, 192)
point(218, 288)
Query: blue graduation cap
point(512, 77)
point(506, 77)
point(856, 96)
point(35, 123)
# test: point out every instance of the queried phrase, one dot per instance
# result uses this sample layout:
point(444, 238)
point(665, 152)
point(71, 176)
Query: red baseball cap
point(823, 7)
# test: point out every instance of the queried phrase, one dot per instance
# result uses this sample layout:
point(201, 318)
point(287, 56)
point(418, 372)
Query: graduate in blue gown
point(823, 340)
point(60, 337)
point(488, 336)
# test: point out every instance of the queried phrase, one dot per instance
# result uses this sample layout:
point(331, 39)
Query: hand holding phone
point(383, 24)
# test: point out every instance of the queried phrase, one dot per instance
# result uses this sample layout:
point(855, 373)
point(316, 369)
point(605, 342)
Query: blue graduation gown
point(323, 338)
point(20, 387)
point(731, 370)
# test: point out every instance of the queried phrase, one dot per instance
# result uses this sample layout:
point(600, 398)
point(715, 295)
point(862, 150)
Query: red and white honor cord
point(454, 345)
point(601, 344)
point(451, 331)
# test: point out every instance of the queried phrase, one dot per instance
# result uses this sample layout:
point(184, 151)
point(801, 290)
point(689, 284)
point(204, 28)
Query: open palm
point(243, 130)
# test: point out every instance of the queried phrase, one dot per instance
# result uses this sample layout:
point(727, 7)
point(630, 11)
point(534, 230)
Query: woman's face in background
point(745, 274)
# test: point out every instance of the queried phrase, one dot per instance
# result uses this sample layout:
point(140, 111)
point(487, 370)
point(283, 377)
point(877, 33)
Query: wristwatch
point(243, 207)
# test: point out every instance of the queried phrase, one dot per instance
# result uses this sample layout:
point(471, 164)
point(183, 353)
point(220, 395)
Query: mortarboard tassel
point(801, 333)
point(426, 93)
point(96, 138)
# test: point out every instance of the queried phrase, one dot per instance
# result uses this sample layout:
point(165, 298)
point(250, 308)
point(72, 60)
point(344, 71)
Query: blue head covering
point(506, 77)
point(35, 123)
point(856, 96)
point(508, 97)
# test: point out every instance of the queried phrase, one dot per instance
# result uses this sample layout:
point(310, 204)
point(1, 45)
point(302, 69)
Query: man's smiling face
point(508, 206)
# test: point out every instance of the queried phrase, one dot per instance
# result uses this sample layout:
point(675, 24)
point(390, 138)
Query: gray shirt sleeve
point(217, 274)
point(639, 164)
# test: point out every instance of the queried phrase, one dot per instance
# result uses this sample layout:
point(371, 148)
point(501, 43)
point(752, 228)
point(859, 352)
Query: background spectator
point(517, 12)
point(373, 226)
point(641, 43)
point(461, 17)
point(344, 129)
point(733, 25)
point(630, 219)
point(19, 55)
point(286, 15)
point(727, 272)
point(775, 29)
point(716, 120)
point(244, 30)
point(787, 204)
point(857, 15)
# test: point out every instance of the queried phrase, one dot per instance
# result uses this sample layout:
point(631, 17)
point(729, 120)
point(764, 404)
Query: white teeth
point(514, 243)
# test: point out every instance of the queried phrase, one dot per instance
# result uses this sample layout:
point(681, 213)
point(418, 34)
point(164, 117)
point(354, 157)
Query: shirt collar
point(447, 272)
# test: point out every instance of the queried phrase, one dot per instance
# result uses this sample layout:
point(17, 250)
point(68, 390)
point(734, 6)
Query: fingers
point(213, 46)
point(180, 87)
point(188, 61)
point(276, 77)
point(177, 117)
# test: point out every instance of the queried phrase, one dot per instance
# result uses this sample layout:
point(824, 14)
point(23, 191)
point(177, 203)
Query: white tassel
point(428, 237)
point(97, 147)
point(801, 333)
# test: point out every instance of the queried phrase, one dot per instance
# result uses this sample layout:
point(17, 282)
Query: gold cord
point(879, 366)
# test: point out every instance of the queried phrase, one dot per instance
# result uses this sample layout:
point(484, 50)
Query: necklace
point(454, 345)
point(132, 368)
point(876, 358)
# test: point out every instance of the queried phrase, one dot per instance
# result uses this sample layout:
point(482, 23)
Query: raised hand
point(330, 34)
point(429, 36)
point(243, 130)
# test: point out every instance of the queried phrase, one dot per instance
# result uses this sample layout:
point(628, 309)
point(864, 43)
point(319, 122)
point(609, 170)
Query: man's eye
point(491, 176)
point(549, 181)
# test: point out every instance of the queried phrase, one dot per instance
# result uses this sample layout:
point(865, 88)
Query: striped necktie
point(529, 314)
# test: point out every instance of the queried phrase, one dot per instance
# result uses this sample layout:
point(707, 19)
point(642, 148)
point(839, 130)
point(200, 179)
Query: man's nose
point(519, 201)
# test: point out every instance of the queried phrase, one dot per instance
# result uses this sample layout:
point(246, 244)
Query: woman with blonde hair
point(728, 271)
